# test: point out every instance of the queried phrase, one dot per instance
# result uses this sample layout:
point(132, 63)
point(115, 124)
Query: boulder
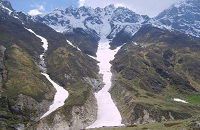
point(196, 126)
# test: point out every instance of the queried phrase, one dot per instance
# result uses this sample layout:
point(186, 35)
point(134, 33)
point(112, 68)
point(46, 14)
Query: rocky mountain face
point(84, 39)
point(155, 65)
point(108, 21)
point(183, 16)
point(152, 69)
point(25, 94)
point(120, 24)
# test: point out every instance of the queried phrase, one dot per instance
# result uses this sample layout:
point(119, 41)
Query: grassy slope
point(24, 76)
point(22, 51)
point(68, 66)
point(166, 67)
point(169, 125)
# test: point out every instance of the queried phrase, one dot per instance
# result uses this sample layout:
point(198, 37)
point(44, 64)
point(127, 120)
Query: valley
point(61, 94)
point(108, 114)
point(100, 68)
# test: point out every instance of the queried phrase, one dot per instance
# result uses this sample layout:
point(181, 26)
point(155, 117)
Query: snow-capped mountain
point(183, 16)
point(106, 21)
point(6, 6)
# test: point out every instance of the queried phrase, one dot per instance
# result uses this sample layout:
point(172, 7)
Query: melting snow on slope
point(73, 45)
point(45, 43)
point(179, 100)
point(59, 98)
point(108, 114)
point(61, 94)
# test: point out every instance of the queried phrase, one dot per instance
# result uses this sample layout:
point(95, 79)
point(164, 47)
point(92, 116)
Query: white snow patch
point(108, 114)
point(92, 57)
point(10, 11)
point(70, 44)
point(179, 100)
point(61, 94)
point(135, 43)
point(45, 43)
point(73, 45)
point(59, 98)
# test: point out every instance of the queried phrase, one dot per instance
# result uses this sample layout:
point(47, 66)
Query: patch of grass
point(194, 100)
point(192, 124)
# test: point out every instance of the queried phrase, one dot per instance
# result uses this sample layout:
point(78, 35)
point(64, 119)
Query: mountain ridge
point(155, 66)
point(183, 16)
point(91, 18)
point(111, 21)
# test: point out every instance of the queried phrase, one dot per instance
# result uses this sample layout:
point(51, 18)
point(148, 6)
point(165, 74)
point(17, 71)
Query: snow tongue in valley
point(108, 114)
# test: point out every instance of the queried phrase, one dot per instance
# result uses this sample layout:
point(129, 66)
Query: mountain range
point(110, 21)
point(159, 61)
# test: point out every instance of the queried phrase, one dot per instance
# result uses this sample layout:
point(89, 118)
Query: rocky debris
point(37, 109)
point(19, 126)
point(83, 116)
point(196, 126)
point(97, 84)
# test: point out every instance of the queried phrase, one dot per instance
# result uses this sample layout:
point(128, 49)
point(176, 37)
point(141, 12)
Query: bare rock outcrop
point(37, 109)
point(81, 117)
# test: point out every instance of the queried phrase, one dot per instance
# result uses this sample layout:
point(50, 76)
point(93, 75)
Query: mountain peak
point(183, 16)
point(111, 6)
point(105, 21)
point(4, 4)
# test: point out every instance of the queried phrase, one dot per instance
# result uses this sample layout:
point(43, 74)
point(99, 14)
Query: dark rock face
point(121, 38)
point(85, 40)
